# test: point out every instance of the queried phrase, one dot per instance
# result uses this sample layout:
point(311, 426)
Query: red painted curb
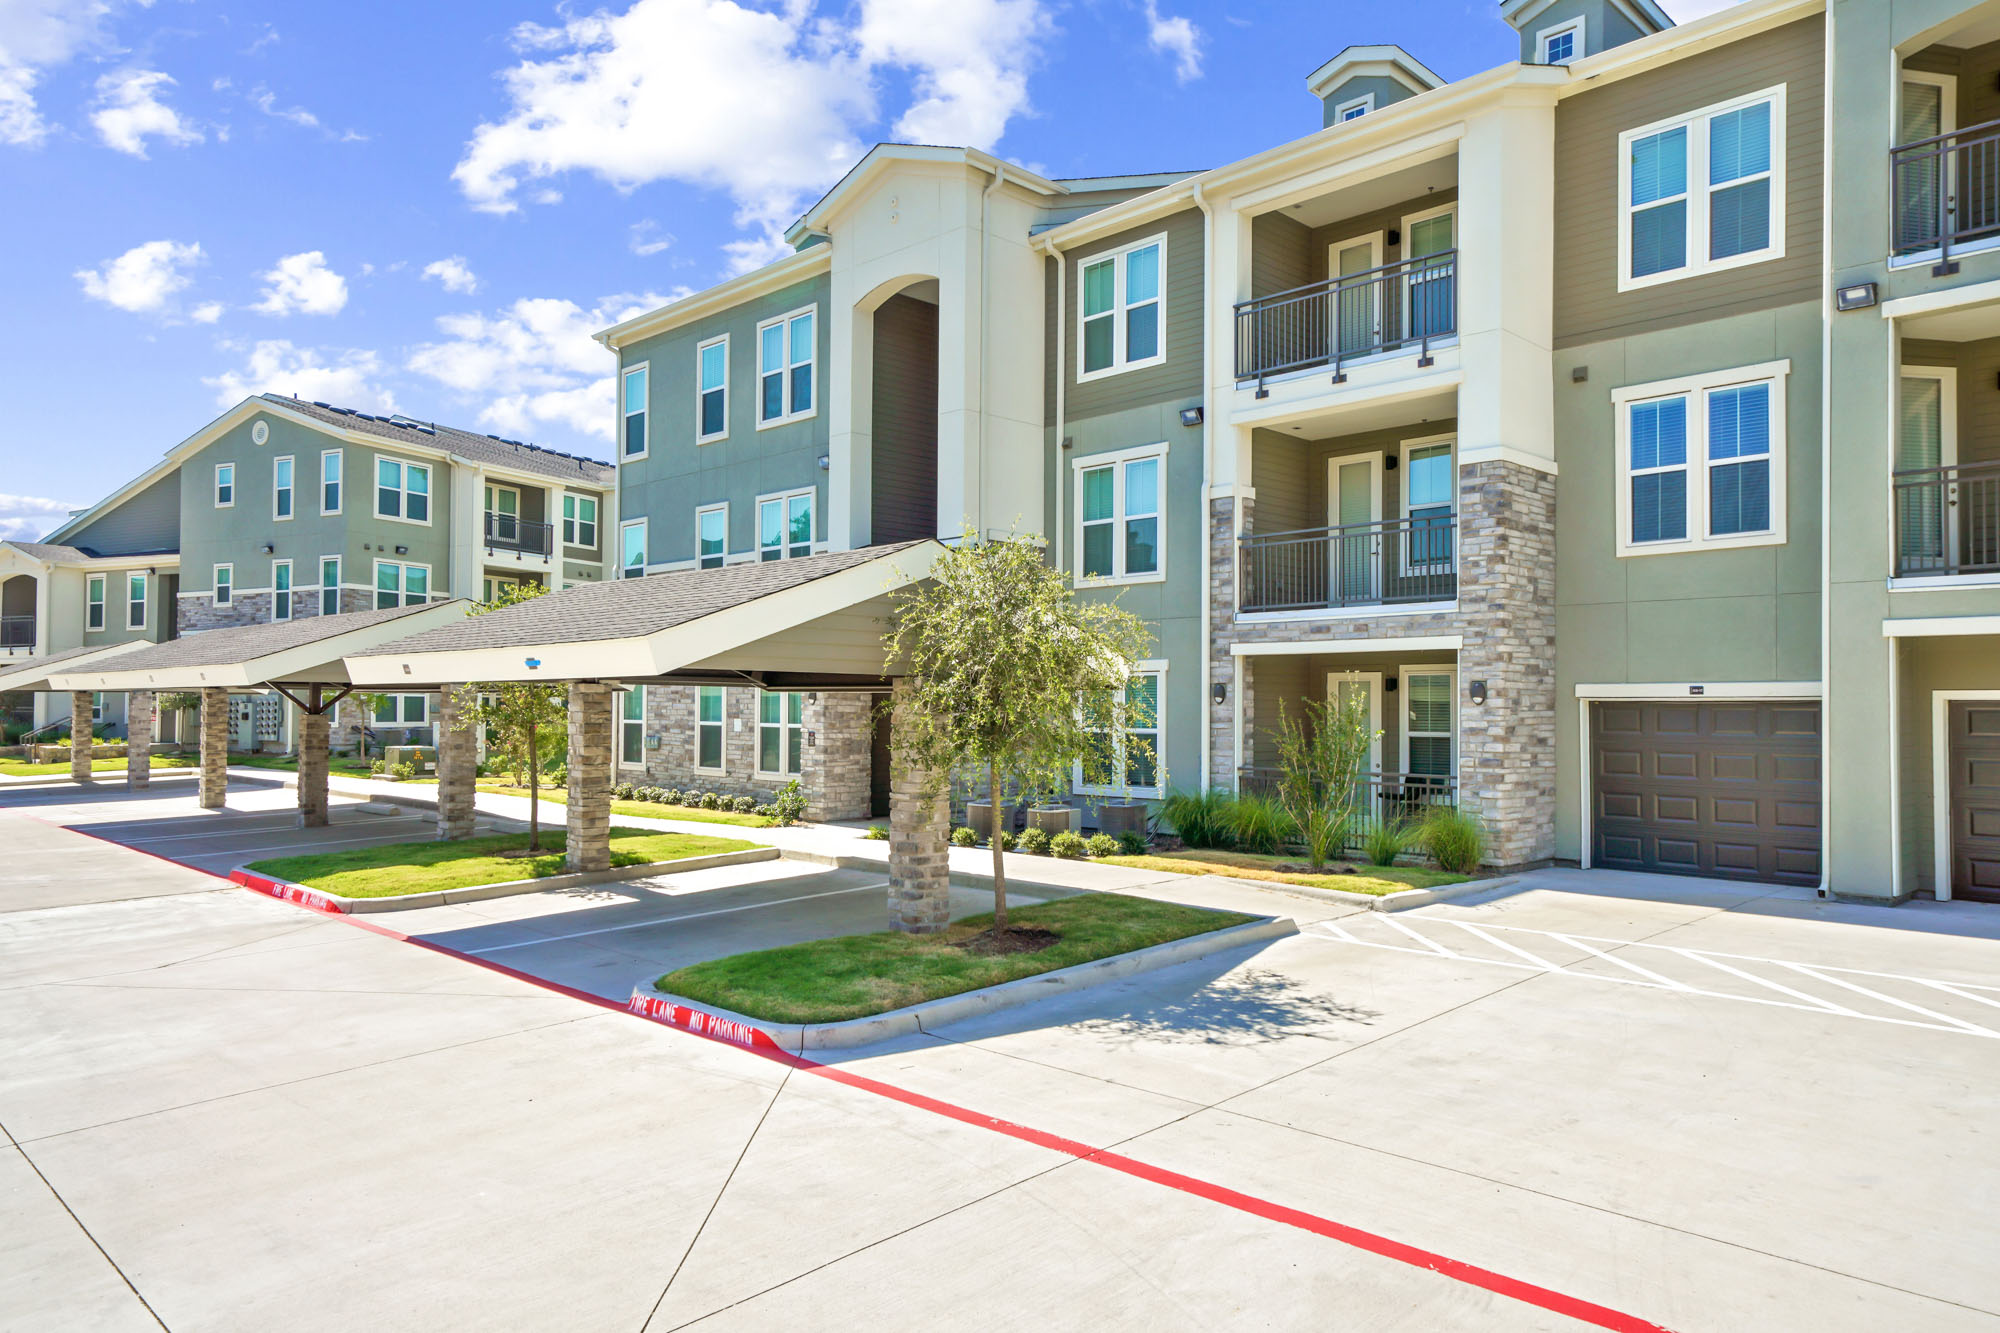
point(286, 891)
point(701, 1023)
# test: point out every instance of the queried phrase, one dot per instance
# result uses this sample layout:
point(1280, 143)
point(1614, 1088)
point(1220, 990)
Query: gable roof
point(1387, 61)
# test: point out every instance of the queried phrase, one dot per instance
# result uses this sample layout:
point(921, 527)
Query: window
point(785, 525)
point(225, 485)
point(399, 584)
point(225, 583)
point(708, 728)
point(135, 601)
point(1135, 750)
point(403, 490)
point(632, 727)
point(331, 468)
point(1121, 524)
point(1704, 192)
point(93, 616)
point(633, 408)
point(1701, 461)
point(632, 543)
point(1561, 44)
point(780, 733)
point(329, 585)
point(1430, 727)
point(712, 395)
point(97, 706)
point(1123, 323)
point(579, 513)
point(711, 532)
point(1354, 109)
point(786, 350)
point(281, 488)
point(281, 590)
point(1429, 490)
point(402, 710)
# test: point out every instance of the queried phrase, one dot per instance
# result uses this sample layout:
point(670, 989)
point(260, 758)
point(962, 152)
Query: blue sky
point(428, 207)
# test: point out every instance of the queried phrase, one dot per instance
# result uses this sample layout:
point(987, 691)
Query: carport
point(304, 660)
point(814, 623)
point(32, 676)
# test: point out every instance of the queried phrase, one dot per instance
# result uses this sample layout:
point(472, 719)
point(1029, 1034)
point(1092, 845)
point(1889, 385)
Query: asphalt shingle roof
point(466, 444)
point(245, 643)
point(628, 608)
point(51, 550)
point(22, 668)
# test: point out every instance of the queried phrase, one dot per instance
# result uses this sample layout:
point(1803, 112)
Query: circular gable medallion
point(260, 432)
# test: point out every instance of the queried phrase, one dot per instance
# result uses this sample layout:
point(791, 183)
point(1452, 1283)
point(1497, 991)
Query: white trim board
point(1415, 643)
point(1937, 627)
point(1738, 689)
point(1941, 701)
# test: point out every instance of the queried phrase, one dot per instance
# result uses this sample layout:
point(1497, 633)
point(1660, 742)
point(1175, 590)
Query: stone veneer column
point(315, 752)
point(1232, 673)
point(837, 765)
point(589, 846)
point(138, 739)
point(1506, 602)
point(457, 769)
point(214, 747)
point(81, 735)
point(919, 860)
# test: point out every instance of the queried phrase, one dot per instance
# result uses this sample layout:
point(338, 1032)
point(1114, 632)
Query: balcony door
point(503, 514)
point(1926, 107)
point(1357, 310)
point(1926, 443)
point(1342, 687)
point(1354, 515)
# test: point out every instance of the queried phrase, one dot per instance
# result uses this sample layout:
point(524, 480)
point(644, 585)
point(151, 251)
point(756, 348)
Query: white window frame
point(291, 492)
point(782, 726)
point(401, 515)
point(785, 498)
point(221, 503)
point(1119, 309)
point(1117, 459)
point(325, 587)
point(645, 548)
point(1696, 389)
point(1547, 35)
point(1699, 190)
point(492, 492)
point(573, 520)
point(1449, 670)
point(699, 392)
point(96, 597)
point(96, 707)
point(1408, 286)
point(144, 599)
point(397, 703)
point(1354, 108)
point(339, 459)
point(627, 722)
point(645, 427)
point(224, 580)
point(402, 582)
point(288, 592)
point(1150, 667)
point(790, 414)
point(1404, 450)
point(721, 725)
point(702, 511)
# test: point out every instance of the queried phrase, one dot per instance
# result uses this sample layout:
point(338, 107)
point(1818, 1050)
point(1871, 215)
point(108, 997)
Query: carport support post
point(138, 739)
point(80, 735)
point(214, 747)
point(315, 754)
point(919, 851)
point(589, 844)
point(457, 769)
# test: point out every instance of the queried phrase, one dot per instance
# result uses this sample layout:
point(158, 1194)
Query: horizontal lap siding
point(1280, 254)
point(1176, 379)
point(149, 521)
point(1588, 304)
point(1978, 366)
point(903, 473)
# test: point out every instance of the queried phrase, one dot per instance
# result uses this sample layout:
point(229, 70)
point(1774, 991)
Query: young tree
point(1320, 763)
point(516, 712)
point(1009, 674)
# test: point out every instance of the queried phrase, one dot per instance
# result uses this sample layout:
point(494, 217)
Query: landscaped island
point(430, 867)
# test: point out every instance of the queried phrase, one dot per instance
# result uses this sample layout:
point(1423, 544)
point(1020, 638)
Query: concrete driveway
point(229, 1113)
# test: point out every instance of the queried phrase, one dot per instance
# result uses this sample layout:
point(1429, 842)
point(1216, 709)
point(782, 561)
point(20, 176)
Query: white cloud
point(1177, 37)
point(25, 518)
point(36, 35)
point(303, 283)
point(453, 273)
point(266, 101)
point(648, 239)
point(129, 111)
point(349, 377)
point(969, 60)
point(206, 313)
point(533, 361)
point(145, 278)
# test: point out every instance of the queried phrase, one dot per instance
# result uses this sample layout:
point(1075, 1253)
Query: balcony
point(1401, 561)
point(505, 532)
point(1402, 307)
point(1948, 521)
point(1947, 193)
point(17, 634)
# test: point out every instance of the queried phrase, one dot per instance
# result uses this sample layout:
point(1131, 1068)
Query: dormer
point(1367, 78)
point(1561, 32)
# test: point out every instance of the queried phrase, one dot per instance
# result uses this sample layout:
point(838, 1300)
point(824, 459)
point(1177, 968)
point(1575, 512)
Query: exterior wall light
point(1479, 691)
point(1191, 416)
point(402, 550)
point(1220, 692)
point(1858, 297)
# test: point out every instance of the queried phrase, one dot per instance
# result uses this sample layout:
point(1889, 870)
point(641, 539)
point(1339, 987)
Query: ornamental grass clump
point(1201, 819)
point(1259, 825)
point(1132, 844)
point(1453, 838)
point(1388, 840)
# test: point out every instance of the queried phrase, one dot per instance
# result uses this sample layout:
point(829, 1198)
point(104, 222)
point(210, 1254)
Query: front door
point(1344, 686)
point(1974, 789)
point(1354, 513)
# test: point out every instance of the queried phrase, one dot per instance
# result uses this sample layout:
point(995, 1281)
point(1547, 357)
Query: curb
point(108, 777)
point(321, 901)
point(1400, 901)
point(756, 1033)
point(963, 879)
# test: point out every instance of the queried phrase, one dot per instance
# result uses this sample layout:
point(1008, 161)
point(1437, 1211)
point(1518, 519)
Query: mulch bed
point(1014, 939)
point(1331, 868)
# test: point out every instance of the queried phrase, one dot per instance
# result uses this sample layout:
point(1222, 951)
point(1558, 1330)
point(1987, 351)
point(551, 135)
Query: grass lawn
point(289, 763)
point(425, 867)
point(629, 809)
point(21, 768)
point(1377, 880)
point(826, 981)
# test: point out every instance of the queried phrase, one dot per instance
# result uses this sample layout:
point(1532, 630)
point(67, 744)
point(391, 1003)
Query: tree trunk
point(534, 794)
point(999, 864)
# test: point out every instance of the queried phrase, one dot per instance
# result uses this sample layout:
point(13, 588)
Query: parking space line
point(674, 920)
point(1803, 969)
point(1502, 944)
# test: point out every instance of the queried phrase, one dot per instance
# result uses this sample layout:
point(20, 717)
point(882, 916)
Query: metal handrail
point(1947, 519)
point(1945, 190)
point(505, 532)
point(1379, 798)
point(1355, 564)
point(11, 632)
point(1408, 304)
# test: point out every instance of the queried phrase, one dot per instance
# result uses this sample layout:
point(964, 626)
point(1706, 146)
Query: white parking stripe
point(674, 920)
point(1961, 989)
point(1428, 943)
point(1711, 961)
point(1887, 999)
point(1578, 942)
point(1502, 944)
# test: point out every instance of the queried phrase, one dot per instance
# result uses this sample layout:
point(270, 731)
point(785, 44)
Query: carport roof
point(32, 673)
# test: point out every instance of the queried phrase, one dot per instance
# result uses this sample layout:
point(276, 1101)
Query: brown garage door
point(1729, 789)
point(1975, 800)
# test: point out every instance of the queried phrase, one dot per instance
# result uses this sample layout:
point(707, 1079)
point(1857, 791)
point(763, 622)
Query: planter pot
point(1054, 819)
point(979, 818)
point(1119, 817)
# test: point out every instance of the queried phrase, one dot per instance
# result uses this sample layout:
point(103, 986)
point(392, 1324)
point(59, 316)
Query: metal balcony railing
point(17, 632)
point(1361, 564)
point(504, 532)
point(1378, 797)
point(1410, 304)
point(1946, 192)
point(1948, 520)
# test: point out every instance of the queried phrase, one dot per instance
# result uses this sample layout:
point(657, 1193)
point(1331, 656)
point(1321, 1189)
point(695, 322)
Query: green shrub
point(376, 766)
point(1260, 825)
point(742, 805)
point(559, 775)
point(1201, 818)
point(1388, 840)
point(1132, 844)
point(711, 800)
point(621, 791)
point(1102, 844)
point(769, 812)
point(964, 837)
point(1453, 838)
point(404, 772)
point(878, 833)
point(1008, 842)
point(1070, 845)
point(790, 804)
point(1035, 841)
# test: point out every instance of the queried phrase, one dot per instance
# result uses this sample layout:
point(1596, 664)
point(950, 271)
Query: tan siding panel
point(1279, 247)
point(903, 506)
point(1179, 376)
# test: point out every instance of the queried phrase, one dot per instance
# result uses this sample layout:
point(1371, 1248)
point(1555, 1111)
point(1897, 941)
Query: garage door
point(1724, 789)
point(1975, 800)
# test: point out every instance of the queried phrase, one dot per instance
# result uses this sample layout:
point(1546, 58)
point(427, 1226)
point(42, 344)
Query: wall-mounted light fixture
point(1578, 374)
point(825, 463)
point(1857, 297)
point(1478, 691)
point(268, 548)
point(1191, 416)
point(1389, 685)
point(1219, 692)
point(402, 550)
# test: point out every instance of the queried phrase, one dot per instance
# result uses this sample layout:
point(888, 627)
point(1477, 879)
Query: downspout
point(1826, 475)
point(1060, 520)
point(985, 328)
point(1207, 474)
